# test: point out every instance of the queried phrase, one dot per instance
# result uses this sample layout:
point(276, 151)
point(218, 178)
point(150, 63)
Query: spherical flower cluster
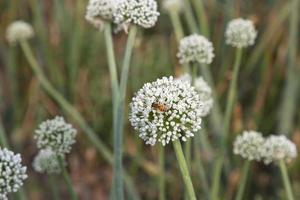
point(139, 12)
point(56, 135)
point(240, 33)
point(166, 110)
point(195, 48)
point(248, 145)
point(12, 173)
point(173, 5)
point(204, 91)
point(46, 162)
point(98, 11)
point(278, 148)
point(19, 30)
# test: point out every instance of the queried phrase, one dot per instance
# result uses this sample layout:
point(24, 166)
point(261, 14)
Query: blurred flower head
point(166, 110)
point(57, 135)
point(19, 30)
point(173, 5)
point(98, 11)
point(195, 48)
point(46, 161)
point(12, 173)
point(278, 148)
point(204, 91)
point(138, 12)
point(248, 145)
point(240, 33)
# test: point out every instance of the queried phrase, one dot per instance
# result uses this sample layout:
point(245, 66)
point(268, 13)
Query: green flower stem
point(286, 181)
point(70, 110)
point(53, 185)
point(188, 13)
point(175, 19)
point(3, 139)
point(118, 139)
point(117, 166)
point(216, 178)
point(291, 92)
point(243, 180)
point(199, 164)
point(231, 97)
point(67, 178)
point(162, 178)
point(184, 170)
point(198, 4)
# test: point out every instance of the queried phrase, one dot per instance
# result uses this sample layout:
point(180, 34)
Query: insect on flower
point(160, 107)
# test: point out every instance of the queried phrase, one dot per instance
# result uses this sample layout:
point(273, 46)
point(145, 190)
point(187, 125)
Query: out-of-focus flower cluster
point(252, 146)
point(204, 91)
point(173, 5)
point(195, 48)
point(240, 33)
point(19, 30)
point(54, 138)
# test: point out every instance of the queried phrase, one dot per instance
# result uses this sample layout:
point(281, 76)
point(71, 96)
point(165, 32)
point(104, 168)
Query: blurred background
point(73, 56)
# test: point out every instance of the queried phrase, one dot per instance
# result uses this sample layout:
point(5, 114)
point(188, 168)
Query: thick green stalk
point(198, 4)
point(118, 140)
point(67, 178)
point(188, 13)
point(175, 19)
point(70, 110)
point(216, 178)
point(231, 97)
point(243, 180)
point(286, 181)
point(290, 94)
point(162, 178)
point(117, 166)
point(184, 170)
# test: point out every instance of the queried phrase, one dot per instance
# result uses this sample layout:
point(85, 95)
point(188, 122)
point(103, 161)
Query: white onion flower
point(56, 135)
point(195, 48)
point(173, 5)
point(278, 148)
point(166, 110)
point(249, 145)
point(19, 30)
point(99, 11)
point(204, 91)
point(46, 161)
point(12, 172)
point(139, 12)
point(240, 33)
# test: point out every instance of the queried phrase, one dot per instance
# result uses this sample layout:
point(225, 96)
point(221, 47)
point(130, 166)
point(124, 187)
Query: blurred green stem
point(188, 13)
point(198, 4)
point(54, 186)
point(175, 19)
point(243, 180)
point(162, 183)
point(231, 97)
point(184, 170)
point(286, 181)
point(69, 109)
point(3, 139)
point(67, 178)
point(289, 102)
point(216, 179)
